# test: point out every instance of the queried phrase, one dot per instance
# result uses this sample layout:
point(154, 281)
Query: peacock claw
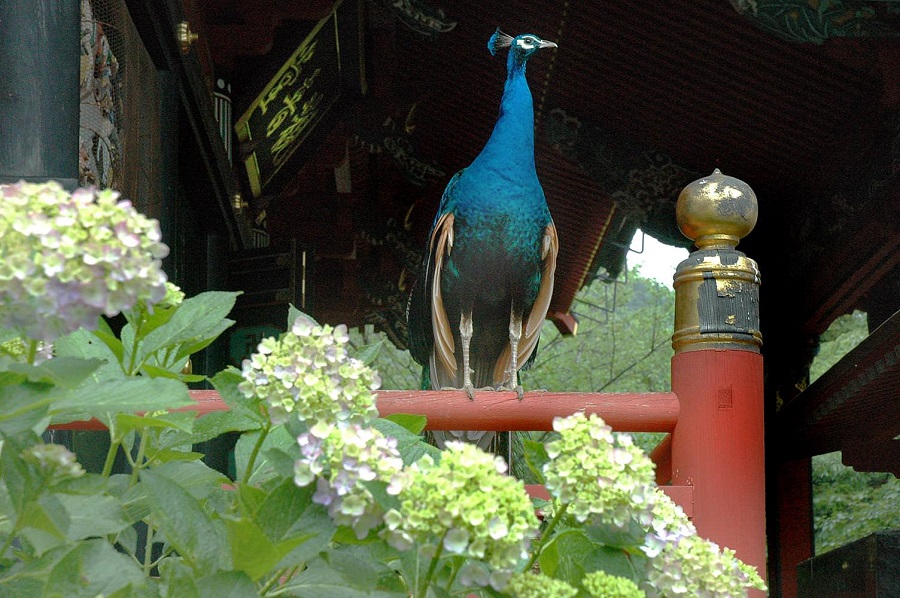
point(520, 392)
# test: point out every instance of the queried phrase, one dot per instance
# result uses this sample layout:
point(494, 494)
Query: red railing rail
point(453, 410)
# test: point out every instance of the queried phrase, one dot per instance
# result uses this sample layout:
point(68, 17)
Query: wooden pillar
point(717, 370)
point(39, 92)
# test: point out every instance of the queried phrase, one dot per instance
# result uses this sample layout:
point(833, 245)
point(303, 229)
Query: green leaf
point(44, 523)
point(30, 578)
point(369, 353)
point(178, 578)
point(226, 584)
point(365, 572)
point(282, 508)
point(194, 477)
point(321, 579)
point(536, 457)
point(91, 516)
point(414, 423)
point(169, 455)
point(411, 446)
point(196, 318)
point(217, 423)
point(65, 372)
point(294, 313)
point(226, 383)
point(571, 554)
point(99, 345)
point(127, 422)
point(198, 538)
point(93, 568)
point(252, 551)
point(630, 538)
point(196, 345)
point(317, 529)
point(158, 372)
point(125, 395)
point(22, 483)
point(264, 470)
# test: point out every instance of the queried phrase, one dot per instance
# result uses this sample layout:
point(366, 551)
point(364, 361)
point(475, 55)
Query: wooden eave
point(854, 407)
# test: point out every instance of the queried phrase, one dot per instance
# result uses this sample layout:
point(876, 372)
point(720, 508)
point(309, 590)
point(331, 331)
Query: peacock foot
point(468, 389)
point(520, 392)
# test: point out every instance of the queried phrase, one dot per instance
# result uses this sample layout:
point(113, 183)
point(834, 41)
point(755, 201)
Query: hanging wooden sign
point(295, 101)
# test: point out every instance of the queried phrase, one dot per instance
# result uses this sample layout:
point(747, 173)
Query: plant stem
point(110, 458)
point(148, 552)
point(423, 591)
point(9, 539)
point(557, 517)
point(32, 351)
point(272, 581)
point(255, 453)
point(138, 461)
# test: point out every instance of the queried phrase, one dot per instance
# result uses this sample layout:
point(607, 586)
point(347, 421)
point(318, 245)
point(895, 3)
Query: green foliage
point(623, 342)
point(842, 336)
point(849, 505)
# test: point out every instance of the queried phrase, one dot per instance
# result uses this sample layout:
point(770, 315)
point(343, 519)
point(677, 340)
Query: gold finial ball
point(716, 211)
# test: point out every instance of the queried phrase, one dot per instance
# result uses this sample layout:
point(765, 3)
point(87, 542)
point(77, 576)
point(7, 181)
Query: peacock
point(476, 311)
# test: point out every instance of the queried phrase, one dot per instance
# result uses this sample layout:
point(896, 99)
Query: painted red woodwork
point(662, 456)
point(718, 448)
point(452, 410)
point(794, 524)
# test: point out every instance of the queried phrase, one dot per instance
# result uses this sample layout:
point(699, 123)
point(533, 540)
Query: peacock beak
point(545, 44)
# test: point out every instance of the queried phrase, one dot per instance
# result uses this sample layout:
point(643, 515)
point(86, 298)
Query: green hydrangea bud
point(602, 477)
point(55, 462)
point(532, 585)
point(308, 372)
point(467, 504)
point(600, 584)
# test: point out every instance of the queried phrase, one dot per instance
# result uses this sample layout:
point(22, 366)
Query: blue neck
point(510, 148)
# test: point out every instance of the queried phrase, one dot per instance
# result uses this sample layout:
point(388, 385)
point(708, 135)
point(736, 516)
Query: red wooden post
point(717, 370)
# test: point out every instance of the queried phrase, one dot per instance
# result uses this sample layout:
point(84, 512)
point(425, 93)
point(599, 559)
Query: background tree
point(847, 504)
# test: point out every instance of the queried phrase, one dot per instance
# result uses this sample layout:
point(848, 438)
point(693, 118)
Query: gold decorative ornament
point(716, 211)
point(185, 36)
point(717, 286)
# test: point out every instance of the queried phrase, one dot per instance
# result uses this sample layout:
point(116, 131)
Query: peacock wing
point(443, 358)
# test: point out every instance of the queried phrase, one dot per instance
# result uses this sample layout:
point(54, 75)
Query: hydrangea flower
point(339, 462)
point(692, 566)
point(600, 584)
point(681, 563)
point(55, 461)
point(309, 372)
point(173, 298)
point(467, 504)
point(600, 476)
point(531, 585)
point(65, 259)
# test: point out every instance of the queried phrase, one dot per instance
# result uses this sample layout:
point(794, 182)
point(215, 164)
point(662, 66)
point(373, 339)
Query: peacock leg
point(465, 335)
point(515, 334)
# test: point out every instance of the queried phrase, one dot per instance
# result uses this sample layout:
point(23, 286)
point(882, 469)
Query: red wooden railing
point(503, 411)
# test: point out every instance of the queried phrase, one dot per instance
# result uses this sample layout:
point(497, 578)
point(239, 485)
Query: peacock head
point(521, 46)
